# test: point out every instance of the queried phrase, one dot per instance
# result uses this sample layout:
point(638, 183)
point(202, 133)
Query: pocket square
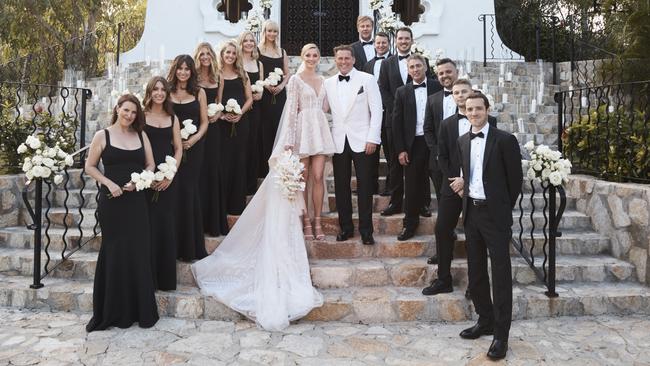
point(360, 90)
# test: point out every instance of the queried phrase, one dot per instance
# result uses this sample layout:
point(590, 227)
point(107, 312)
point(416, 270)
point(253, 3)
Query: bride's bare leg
point(317, 192)
point(306, 221)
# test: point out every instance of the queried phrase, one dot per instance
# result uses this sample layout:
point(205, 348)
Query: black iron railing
point(527, 241)
point(605, 130)
point(493, 47)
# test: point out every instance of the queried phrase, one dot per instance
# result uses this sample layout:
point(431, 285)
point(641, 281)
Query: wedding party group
point(179, 162)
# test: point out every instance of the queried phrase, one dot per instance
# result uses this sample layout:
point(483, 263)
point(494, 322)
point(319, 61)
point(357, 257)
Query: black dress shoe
point(367, 239)
point(391, 210)
point(406, 234)
point(344, 235)
point(433, 259)
point(498, 349)
point(476, 331)
point(438, 287)
point(425, 212)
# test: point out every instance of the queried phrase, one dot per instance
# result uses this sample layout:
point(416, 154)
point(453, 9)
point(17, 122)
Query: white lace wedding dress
point(261, 268)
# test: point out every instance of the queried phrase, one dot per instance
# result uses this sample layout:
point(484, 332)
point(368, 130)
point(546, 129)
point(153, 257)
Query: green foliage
point(612, 143)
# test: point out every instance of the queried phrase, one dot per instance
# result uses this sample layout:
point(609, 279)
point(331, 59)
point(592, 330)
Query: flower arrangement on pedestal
point(43, 162)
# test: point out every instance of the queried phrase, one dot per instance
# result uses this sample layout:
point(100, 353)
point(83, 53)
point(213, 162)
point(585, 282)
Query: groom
point(356, 107)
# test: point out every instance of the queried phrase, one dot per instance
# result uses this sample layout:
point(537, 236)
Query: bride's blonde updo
point(308, 47)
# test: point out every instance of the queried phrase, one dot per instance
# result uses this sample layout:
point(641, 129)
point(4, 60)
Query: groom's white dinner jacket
point(356, 110)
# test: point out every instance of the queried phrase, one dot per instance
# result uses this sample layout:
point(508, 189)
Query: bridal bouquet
point(288, 175)
point(214, 108)
point(546, 165)
point(166, 170)
point(258, 87)
point(232, 107)
point(43, 162)
point(274, 78)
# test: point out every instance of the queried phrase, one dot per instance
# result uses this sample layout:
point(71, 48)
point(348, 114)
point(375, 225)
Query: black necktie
point(472, 135)
point(447, 93)
point(346, 78)
point(400, 57)
point(366, 43)
point(423, 85)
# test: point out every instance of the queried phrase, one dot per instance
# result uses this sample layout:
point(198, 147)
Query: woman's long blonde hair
point(214, 65)
point(263, 43)
point(256, 53)
point(239, 64)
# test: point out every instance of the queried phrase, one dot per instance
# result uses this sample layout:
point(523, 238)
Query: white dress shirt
point(377, 69)
point(368, 49)
point(463, 126)
point(403, 68)
point(345, 90)
point(420, 106)
point(448, 106)
point(476, 153)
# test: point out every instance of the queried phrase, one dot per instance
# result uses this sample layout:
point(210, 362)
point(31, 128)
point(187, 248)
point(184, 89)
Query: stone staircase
point(367, 284)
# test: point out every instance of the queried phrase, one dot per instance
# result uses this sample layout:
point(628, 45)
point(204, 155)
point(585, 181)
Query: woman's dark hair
point(138, 123)
point(192, 82)
point(167, 104)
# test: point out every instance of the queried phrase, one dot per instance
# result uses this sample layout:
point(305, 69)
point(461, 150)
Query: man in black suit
point(408, 139)
point(491, 166)
point(374, 67)
point(439, 107)
point(363, 48)
point(450, 203)
point(394, 74)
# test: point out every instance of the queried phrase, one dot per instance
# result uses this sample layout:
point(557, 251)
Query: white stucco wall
point(173, 27)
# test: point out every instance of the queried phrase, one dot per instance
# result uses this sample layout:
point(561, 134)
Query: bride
point(261, 268)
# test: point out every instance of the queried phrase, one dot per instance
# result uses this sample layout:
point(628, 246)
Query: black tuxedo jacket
point(433, 116)
point(405, 115)
point(502, 174)
point(359, 55)
point(389, 80)
point(448, 159)
point(369, 67)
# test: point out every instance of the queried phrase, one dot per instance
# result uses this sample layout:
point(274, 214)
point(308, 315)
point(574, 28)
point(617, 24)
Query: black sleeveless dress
point(162, 212)
point(215, 217)
point(255, 163)
point(271, 111)
point(123, 292)
point(233, 149)
point(189, 217)
point(211, 94)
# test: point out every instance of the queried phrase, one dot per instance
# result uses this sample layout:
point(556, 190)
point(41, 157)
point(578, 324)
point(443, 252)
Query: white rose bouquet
point(166, 170)
point(142, 180)
point(188, 130)
point(43, 162)
point(233, 107)
point(258, 87)
point(214, 108)
point(546, 165)
point(288, 175)
point(274, 78)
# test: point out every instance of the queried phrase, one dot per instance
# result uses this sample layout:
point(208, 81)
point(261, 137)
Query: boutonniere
point(360, 90)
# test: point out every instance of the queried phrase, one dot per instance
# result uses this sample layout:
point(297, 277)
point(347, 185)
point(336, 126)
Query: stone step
point(354, 304)
point(354, 272)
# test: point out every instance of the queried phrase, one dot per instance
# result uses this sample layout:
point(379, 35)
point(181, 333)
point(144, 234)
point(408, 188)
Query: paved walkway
point(30, 338)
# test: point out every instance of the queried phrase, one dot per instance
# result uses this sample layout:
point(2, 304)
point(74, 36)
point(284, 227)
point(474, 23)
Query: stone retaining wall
point(620, 211)
point(11, 202)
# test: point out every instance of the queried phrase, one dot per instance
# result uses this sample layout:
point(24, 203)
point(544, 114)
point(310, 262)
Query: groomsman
point(374, 67)
point(394, 74)
point(450, 204)
point(491, 166)
point(408, 139)
point(356, 130)
point(363, 48)
point(439, 107)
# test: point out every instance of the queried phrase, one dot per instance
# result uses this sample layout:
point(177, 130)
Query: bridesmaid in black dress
point(162, 128)
point(272, 56)
point(254, 69)
point(189, 102)
point(233, 129)
point(215, 221)
point(123, 292)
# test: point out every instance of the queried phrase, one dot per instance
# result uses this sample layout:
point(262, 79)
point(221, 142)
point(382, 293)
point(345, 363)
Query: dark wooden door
point(328, 23)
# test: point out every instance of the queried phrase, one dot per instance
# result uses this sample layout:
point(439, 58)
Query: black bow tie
point(366, 43)
point(400, 57)
point(423, 85)
point(472, 135)
point(346, 78)
point(447, 93)
point(461, 116)
point(380, 57)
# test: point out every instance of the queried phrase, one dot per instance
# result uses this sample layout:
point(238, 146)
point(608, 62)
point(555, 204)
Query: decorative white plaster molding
point(429, 23)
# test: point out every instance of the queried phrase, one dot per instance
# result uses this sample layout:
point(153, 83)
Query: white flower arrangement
point(266, 4)
point(188, 129)
point(258, 87)
point(142, 180)
point(274, 78)
point(254, 21)
point(546, 165)
point(166, 170)
point(288, 175)
point(214, 108)
point(420, 50)
point(43, 162)
point(377, 4)
point(233, 107)
point(388, 21)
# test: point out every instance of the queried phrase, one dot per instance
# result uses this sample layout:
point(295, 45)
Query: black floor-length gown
point(215, 218)
point(271, 112)
point(233, 149)
point(189, 217)
point(123, 292)
point(162, 212)
point(255, 163)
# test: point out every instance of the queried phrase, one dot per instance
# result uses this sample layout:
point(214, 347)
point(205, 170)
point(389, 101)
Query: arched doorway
point(327, 23)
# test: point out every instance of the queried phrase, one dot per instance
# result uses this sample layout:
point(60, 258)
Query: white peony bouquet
point(214, 108)
point(233, 107)
point(288, 175)
point(166, 170)
point(43, 162)
point(546, 165)
point(274, 78)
